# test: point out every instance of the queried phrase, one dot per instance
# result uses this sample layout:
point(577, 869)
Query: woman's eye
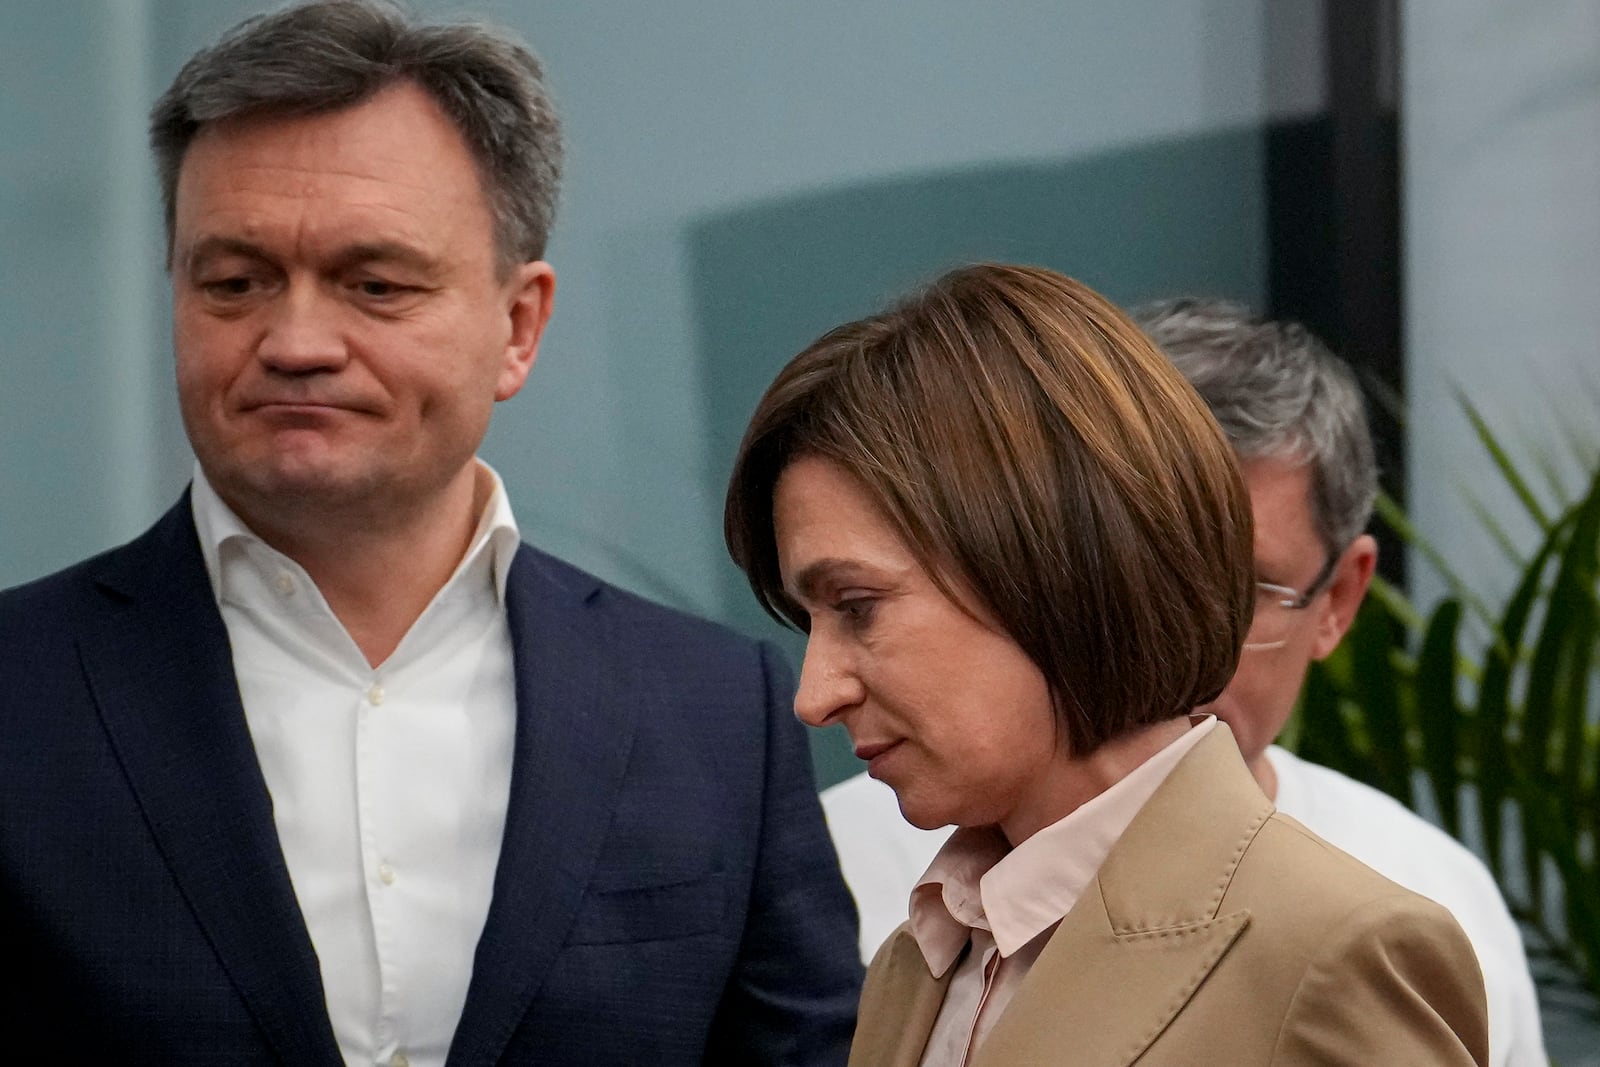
point(856, 610)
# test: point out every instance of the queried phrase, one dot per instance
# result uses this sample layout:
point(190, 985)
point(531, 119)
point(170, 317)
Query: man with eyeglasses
point(1294, 415)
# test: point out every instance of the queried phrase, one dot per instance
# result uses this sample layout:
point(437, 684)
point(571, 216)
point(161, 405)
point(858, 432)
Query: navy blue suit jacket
point(666, 891)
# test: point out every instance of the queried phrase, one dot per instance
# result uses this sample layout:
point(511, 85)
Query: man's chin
point(312, 481)
point(296, 487)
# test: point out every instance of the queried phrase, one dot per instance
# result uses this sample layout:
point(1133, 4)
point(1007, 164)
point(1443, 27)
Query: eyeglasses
point(1276, 606)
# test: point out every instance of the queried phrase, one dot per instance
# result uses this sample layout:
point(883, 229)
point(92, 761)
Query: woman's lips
point(874, 754)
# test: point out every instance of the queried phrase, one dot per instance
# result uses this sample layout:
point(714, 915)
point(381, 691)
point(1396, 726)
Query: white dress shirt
point(389, 785)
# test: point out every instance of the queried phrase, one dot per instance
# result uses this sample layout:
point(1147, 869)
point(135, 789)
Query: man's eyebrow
point(394, 252)
point(352, 255)
point(208, 248)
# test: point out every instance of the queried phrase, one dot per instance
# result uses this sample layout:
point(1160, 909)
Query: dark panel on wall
point(1333, 191)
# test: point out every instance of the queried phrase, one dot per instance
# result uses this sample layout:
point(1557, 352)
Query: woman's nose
point(829, 683)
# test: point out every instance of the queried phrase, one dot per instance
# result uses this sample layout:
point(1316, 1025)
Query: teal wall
point(746, 173)
point(80, 413)
point(741, 176)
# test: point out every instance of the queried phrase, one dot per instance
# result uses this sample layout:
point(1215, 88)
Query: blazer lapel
point(900, 1002)
point(1147, 931)
point(574, 732)
point(1105, 996)
point(158, 662)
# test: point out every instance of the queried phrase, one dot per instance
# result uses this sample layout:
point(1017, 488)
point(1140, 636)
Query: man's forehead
point(1282, 510)
point(389, 172)
point(398, 133)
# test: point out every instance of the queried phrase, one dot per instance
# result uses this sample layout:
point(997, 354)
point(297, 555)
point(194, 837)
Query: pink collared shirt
point(1006, 901)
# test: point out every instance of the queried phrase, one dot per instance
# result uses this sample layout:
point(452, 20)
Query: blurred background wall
point(1502, 259)
point(1419, 180)
point(742, 176)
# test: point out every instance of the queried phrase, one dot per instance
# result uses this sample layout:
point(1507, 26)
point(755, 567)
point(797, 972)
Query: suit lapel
point(574, 732)
point(1147, 931)
point(1103, 995)
point(900, 1002)
point(160, 667)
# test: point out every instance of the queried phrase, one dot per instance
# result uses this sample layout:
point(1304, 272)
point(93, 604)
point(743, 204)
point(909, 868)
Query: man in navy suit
point(328, 766)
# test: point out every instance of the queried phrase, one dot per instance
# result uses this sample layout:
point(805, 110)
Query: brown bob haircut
point(1047, 465)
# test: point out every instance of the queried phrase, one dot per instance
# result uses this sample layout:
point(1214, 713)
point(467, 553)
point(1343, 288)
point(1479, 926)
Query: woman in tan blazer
point(1022, 554)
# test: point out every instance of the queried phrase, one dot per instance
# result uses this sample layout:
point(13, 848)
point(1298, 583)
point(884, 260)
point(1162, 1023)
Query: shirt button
point(285, 583)
point(385, 874)
point(375, 695)
point(399, 1060)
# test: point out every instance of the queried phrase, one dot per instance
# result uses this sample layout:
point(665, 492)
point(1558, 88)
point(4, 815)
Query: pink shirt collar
point(976, 881)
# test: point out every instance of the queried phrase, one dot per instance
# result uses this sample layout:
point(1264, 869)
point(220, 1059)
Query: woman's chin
point(922, 815)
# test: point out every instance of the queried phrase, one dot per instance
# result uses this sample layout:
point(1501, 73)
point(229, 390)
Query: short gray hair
point(327, 55)
point(1278, 393)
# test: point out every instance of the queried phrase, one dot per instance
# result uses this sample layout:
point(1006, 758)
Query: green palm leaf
point(1438, 712)
point(1502, 459)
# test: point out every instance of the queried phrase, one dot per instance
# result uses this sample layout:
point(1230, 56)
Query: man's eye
point(228, 287)
point(379, 289)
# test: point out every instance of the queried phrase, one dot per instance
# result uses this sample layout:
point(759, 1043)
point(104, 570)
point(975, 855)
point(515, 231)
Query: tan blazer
point(1218, 932)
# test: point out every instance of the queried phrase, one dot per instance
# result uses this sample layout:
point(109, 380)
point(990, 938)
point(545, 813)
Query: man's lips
point(256, 403)
point(302, 408)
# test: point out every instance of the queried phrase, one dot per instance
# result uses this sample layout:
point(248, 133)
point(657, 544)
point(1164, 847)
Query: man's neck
point(379, 577)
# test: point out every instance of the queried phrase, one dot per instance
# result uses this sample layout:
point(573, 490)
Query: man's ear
point(1348, 587)
point(529, 292)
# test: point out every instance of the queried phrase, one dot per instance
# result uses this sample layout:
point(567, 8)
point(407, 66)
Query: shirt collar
point(217, 525)
point(977, 882)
